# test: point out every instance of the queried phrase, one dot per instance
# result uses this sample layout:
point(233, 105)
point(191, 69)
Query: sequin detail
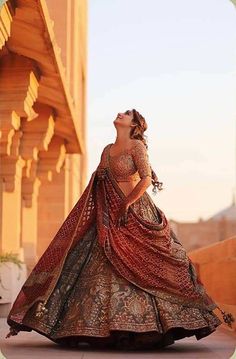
point(132, 164)
point(91, 299)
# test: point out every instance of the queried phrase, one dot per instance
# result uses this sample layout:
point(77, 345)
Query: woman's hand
point(122, 215)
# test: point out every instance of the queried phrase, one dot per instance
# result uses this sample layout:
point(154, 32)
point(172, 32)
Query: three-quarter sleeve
point(141, 159)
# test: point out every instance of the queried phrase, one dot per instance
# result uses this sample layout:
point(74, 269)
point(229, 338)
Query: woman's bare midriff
point(128, 186)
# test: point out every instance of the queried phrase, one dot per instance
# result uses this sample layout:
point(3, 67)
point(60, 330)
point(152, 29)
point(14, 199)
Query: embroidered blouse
point(132, 164)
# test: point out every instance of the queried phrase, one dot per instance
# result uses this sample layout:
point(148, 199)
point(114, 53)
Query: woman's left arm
point(141, 160)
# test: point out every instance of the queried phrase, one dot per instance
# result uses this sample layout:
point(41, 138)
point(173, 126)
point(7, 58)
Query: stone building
point(43, 163)
point(217, 228)
point(211, 245)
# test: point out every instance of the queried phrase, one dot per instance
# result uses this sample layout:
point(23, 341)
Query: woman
point(115, 273)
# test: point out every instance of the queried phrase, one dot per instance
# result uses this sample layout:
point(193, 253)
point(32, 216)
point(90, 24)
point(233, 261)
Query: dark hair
point(137, 132)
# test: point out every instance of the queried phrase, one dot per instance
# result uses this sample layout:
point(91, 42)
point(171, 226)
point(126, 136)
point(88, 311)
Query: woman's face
point(124, 119)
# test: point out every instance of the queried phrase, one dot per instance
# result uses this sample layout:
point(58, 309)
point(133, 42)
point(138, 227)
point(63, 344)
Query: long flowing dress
point(132, 287)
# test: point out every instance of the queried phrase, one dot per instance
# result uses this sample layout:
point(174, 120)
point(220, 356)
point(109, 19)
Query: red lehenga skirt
point(134, 287)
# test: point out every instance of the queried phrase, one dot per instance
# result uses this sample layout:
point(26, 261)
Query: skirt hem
point(174, 332)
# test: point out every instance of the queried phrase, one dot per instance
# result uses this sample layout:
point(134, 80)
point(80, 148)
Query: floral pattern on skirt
point(92, 302)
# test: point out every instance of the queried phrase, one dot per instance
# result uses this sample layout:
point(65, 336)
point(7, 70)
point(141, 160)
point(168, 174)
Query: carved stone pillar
point(18, 92)
point(51, 199)
point(6, 12)
point(37, 135)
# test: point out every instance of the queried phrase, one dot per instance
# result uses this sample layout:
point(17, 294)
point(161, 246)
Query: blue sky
point(175, 62)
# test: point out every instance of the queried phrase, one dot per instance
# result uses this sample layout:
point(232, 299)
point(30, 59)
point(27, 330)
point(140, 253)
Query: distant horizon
point(176, 64)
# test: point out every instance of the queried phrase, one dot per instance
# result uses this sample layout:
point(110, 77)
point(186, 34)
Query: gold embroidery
point(141, 159)
point(123, 166)
point(101, 301)
point(90, 298)
point(132, 164)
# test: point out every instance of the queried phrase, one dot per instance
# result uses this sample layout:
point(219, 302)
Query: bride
point(115, 274)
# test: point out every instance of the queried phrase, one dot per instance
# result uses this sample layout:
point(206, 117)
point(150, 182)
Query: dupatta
point(142, 252)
